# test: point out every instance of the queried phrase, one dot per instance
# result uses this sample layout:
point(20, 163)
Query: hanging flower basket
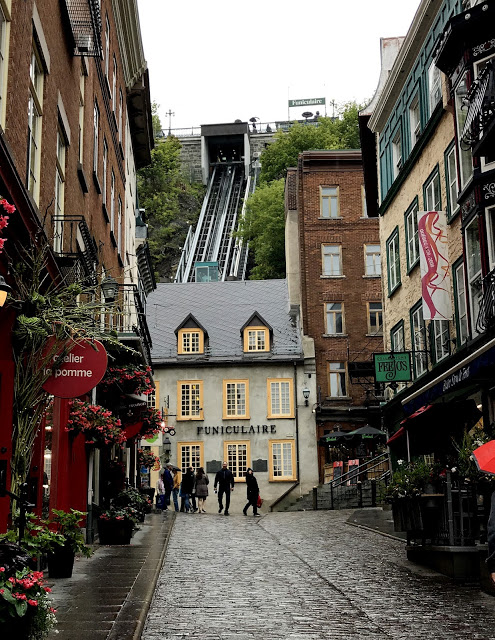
point(147, 459)
point(99, 425)
point(152, 423)
point(128, 379)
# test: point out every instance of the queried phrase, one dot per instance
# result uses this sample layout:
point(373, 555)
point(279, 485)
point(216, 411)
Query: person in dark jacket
point(252, 493)
point(168, 483)
point(186, 489)
point(225, 481)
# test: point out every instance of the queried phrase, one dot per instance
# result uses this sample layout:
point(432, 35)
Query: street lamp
point(4, 291)
point(109, 287)
point(306, 393)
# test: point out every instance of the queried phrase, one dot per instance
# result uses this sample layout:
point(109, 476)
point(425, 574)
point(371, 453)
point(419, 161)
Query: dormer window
point(256, 335)
point(191, 341)
point(191, 337)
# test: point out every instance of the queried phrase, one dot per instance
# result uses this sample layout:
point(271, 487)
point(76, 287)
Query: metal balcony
point(486, 316)
point(479, 128)
point(84, 20)
point(132, 327)
point(74, 248)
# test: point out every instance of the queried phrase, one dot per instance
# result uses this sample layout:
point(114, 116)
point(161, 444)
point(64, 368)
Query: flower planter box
point(61, 563)
point(115, 531)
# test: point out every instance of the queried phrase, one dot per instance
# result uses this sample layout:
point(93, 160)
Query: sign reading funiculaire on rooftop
point(306, 102)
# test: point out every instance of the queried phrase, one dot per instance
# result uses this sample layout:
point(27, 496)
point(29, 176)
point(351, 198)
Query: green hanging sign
point(393, 367)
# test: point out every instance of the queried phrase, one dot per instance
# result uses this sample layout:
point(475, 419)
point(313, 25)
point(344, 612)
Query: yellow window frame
point(236, 443)
point(272, 477)
point(181, 336)
point(243, 416)
point(181, 445)
point(279, 381)
point(265, 331)
point(329, 197)
point(180, 415)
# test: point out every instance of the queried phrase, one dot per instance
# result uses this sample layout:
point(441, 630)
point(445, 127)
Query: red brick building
point(333, 256)
point(75, 124)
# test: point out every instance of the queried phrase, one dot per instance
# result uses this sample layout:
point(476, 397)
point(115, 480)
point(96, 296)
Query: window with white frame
point(372, 263)
point(473, 263)
point(235, 399)
point(434, 87)
point(461, 304)
point(466, 159)
point(397, 338)
point(105, 168)
point(490, 234)
point(190, 400)
point(96, 133)
point(4, 30)
point(329, 202)
point(190, 454)
point(82, 89)
point(375, 318)
point(332, 260)
point(393, 261)
point(58, 230)
point(107, 46)
point(282, 460)
point(441, 339)
point(119, 222)
point(412, 239)
point(414, 120)
point(451, 179)
point(35, 106)
point(236, 454)
point(488, 161)
point(280, 398)
point(396, 154)
point(418, 339)
point(432, 194)
point(363, 201)
point(112, 201)
point(337, 379)
point(334, 318)
point(114, 84)
point(119, 121)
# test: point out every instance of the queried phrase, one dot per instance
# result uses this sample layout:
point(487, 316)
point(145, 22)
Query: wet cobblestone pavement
point(304, 576)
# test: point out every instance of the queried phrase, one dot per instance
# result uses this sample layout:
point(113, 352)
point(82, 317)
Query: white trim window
point(412, 244)
point(82, 89)
point(433, 198)
point(375, 318)
point(466, 159)
point(396, 154)
point(237, 459)
point(434, 87)
point(112, 201)
point(414, 120)
point(372, 261)
point(451, 178)
point(334, 318)
point(461, 304)
point(487, 162)
point(105, 168)
point(96, 133)
point(329, 202)
point(58, 227)
point(441, 339)
point(114, 83)
point(107, 46)
point(397, 339)
point(119, 222)
point(473, 263)
point(490, 234)
point(393, 261)
point(332, 260)
point(337, 379)
point(418, 331)
point(35, 113)
point(119, 119)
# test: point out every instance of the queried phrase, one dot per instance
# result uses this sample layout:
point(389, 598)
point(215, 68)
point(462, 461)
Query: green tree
point(263, 227)
point(171, 204)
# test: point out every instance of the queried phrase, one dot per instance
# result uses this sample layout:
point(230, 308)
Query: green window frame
point(461, 315)
point(451, 181)
point(432, 192)
point(412, 238)
point(420, 356)
point(393, 262)
point(398, 329)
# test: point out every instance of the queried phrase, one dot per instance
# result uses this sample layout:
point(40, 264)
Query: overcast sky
point(217, 61)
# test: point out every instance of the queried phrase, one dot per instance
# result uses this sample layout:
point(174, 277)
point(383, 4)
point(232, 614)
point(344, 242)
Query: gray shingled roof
point(222, 308)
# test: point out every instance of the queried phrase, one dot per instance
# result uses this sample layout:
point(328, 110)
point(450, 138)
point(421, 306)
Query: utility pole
point(170, 113)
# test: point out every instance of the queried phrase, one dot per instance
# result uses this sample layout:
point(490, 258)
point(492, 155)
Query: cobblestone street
point(304, 576)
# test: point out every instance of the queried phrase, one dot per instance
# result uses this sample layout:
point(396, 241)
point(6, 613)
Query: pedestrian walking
point(252, 493)
point(186, 489)
point(224, 479)
point(160, 492)
point(175, 487)
point(202, 481)
point(168, 484)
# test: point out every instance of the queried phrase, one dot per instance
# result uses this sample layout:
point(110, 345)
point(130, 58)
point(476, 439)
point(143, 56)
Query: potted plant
point(115, 525)
point(38, 539)
point(136, 500)
point(25, 607)
point(99, 425)
point(61, 557)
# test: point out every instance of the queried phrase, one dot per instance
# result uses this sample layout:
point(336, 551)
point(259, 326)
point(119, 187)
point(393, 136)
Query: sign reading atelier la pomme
point(78, 371)
point(393, 367)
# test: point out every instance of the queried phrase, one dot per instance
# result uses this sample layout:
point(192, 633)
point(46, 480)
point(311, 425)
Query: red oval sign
point(81, 369)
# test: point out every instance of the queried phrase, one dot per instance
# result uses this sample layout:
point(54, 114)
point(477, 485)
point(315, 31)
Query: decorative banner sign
point(393, 367)
point(435, 266)
point(79, 372)
point(304, 102)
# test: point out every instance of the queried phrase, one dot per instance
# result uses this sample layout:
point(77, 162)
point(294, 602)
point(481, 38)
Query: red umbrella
point(484, 457)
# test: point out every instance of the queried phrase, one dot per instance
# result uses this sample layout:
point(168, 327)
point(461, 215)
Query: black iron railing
point(75, 248)
point(84, 18)
point(480, 104)
point(486, 316)
point(363, 486)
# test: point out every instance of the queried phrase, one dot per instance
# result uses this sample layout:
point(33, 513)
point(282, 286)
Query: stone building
point(334, 274)
point(231, 372)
